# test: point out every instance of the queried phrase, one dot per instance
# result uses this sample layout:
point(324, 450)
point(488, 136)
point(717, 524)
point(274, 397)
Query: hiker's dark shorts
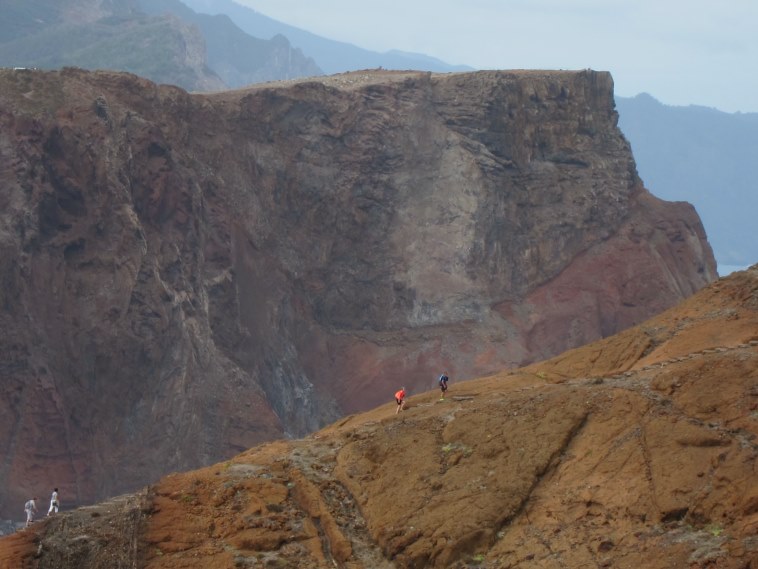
point(443, 386)
point(399, 401)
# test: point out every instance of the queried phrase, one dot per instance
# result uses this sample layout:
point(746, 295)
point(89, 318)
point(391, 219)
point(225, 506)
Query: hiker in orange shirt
point(400, 399)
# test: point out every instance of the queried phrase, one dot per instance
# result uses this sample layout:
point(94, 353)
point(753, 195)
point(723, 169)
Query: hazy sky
point(682, 52)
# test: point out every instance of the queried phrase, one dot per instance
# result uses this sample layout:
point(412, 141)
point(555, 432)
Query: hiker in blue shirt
point(443, 385)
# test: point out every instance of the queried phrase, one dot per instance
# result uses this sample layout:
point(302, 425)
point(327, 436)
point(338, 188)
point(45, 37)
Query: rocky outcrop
point(635, 451)
point(185, 276)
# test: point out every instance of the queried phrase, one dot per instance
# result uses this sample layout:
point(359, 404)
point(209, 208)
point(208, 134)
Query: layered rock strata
point(183, 276)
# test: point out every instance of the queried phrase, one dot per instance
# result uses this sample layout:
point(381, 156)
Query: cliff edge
point(184, 276)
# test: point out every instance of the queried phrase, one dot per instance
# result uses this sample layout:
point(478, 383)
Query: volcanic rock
point(184, 276)
point(635, 451)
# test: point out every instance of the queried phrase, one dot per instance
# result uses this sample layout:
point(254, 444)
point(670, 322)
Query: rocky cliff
point(184, 276)
point(635, 451)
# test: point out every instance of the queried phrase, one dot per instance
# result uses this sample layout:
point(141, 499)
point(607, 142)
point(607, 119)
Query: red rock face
point(634, 451)
point(184, 276)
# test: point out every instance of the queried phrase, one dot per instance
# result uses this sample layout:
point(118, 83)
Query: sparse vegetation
point(450, 447)
point(715, 530)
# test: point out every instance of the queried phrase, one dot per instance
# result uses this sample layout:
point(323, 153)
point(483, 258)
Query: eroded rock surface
point(636, 451)
point(184, 276)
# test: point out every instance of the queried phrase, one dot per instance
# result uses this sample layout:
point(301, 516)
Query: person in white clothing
point(30, 508)
point(54, 502)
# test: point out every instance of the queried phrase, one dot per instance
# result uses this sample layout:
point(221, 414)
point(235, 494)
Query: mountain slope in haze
point(97, 34)
point(163, 41)
point(705, 157)
point(238, 57)
point(22, 17)
point(637, 451)
point(331, 56)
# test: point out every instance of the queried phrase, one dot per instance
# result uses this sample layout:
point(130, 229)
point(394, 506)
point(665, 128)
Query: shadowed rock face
point(183, 276)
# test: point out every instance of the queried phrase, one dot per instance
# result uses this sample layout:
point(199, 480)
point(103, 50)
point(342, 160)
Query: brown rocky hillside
point(185, 276)
point(636, 451)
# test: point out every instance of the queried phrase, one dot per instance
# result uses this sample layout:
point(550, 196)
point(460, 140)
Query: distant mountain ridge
point(236, 56)
point(199, 46)
point(703, 156)
point(331, 56)
point(161, 40)
point(104, 34)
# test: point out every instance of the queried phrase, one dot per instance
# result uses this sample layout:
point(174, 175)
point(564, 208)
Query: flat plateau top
point(357, 79)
